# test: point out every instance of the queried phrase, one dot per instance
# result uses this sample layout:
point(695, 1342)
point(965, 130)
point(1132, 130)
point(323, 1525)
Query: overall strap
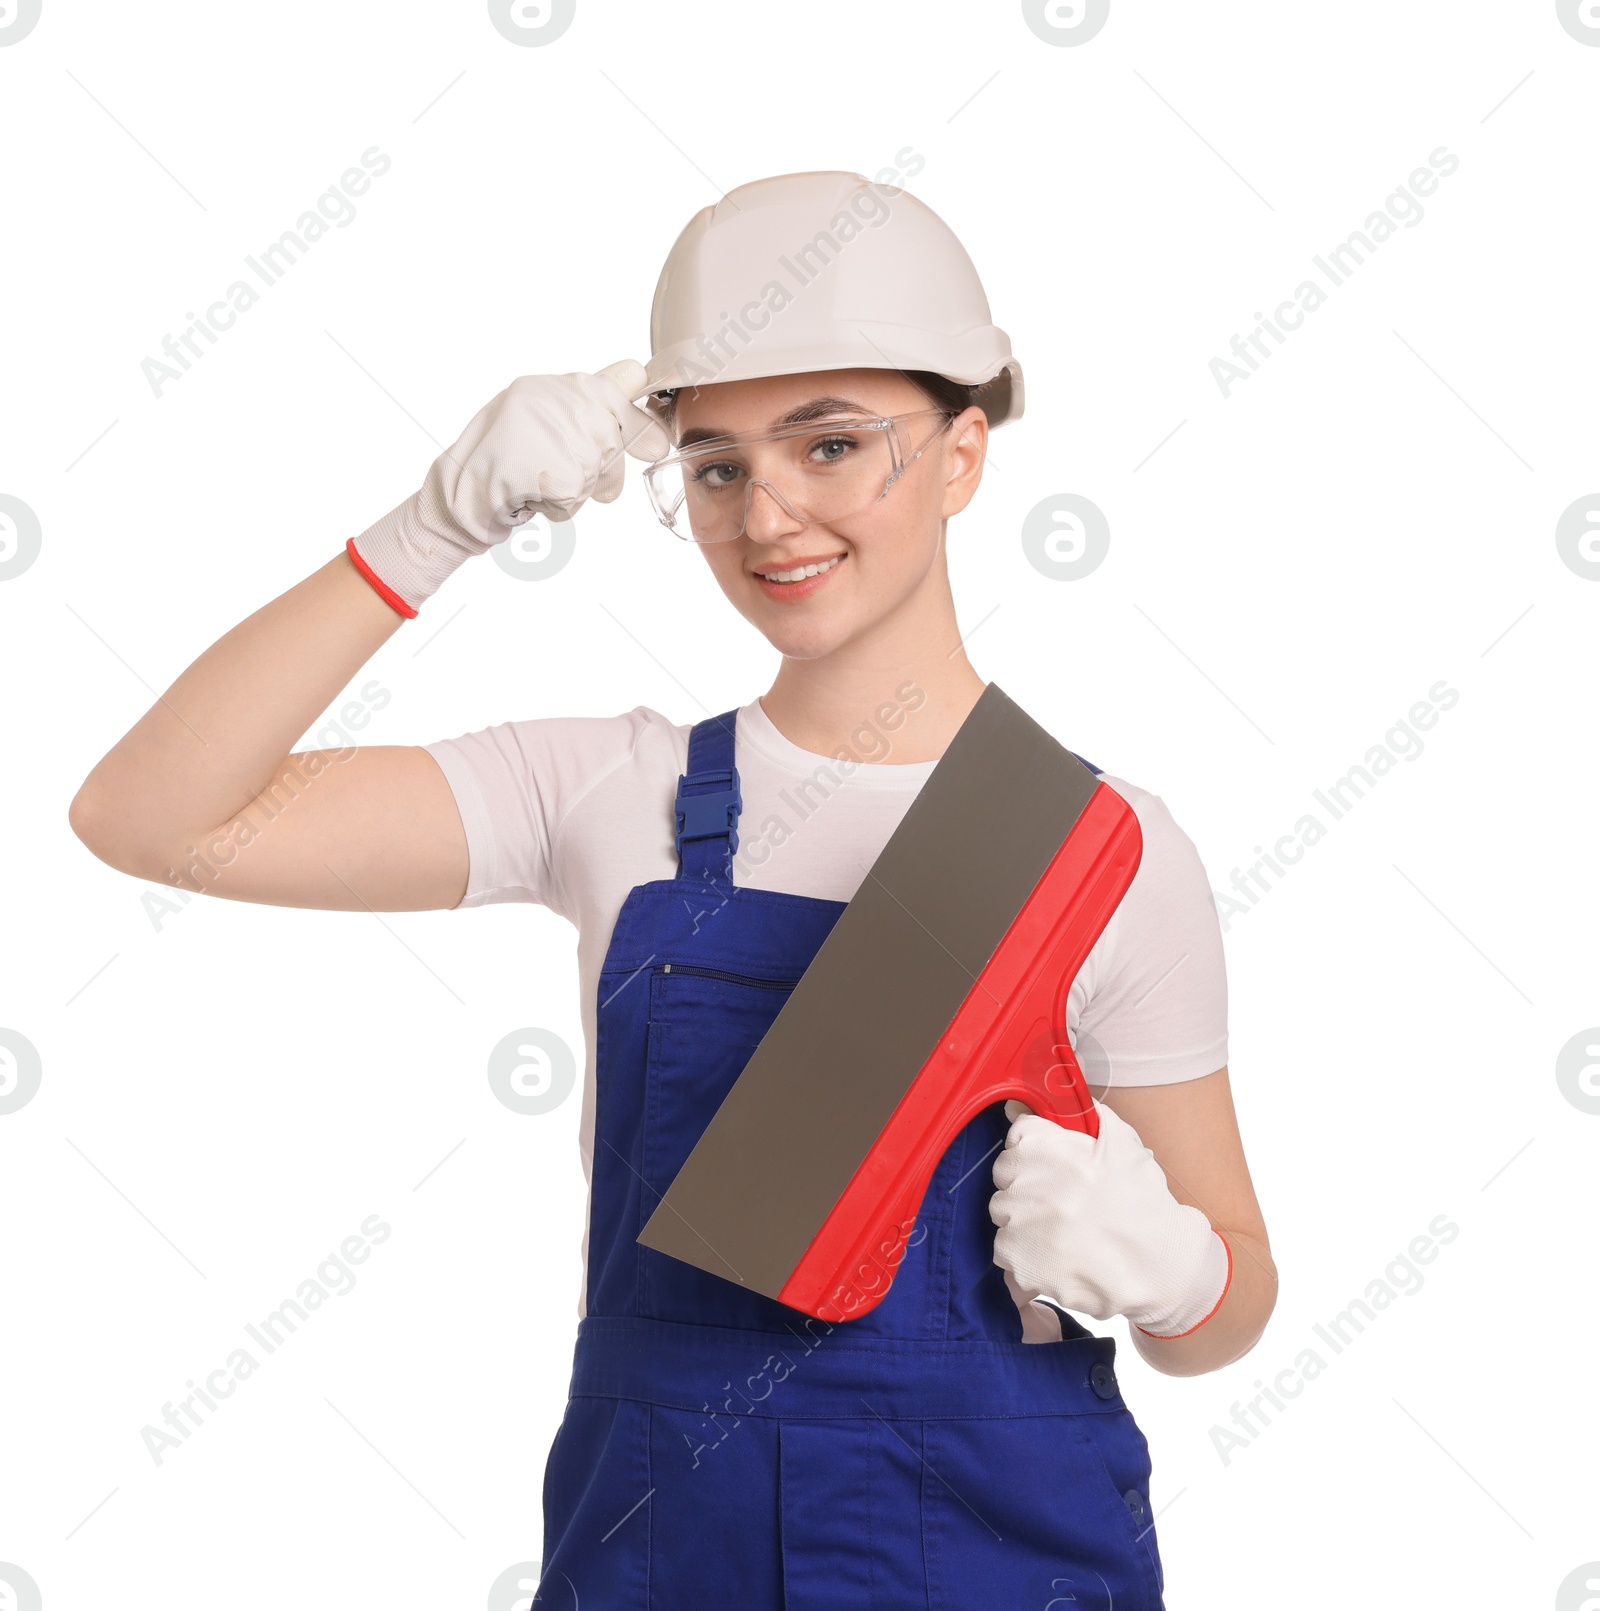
point(706, 811)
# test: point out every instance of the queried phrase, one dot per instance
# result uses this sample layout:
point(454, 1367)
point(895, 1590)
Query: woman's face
point(889, 558)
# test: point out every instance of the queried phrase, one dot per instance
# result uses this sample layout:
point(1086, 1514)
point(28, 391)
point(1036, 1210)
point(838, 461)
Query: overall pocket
point(1125, 1459)
point(597, 1534)
point(1022, 1511)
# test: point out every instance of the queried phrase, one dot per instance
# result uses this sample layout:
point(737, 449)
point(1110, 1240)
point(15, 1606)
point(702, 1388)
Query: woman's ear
point(968, 435)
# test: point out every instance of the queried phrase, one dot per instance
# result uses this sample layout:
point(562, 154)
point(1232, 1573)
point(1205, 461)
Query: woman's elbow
point(105, 832)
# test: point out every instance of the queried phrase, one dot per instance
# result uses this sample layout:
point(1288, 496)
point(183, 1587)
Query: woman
point(823, 381)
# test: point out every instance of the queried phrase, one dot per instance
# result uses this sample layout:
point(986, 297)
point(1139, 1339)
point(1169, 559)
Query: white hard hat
point(827, 270)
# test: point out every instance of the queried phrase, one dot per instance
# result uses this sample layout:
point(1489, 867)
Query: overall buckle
point(711, 814)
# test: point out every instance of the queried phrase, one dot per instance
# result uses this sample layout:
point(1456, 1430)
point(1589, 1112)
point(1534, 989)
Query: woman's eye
point(716, 475)
point(833, 448)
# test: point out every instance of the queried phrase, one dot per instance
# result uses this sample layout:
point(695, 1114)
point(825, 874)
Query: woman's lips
point(793, 592)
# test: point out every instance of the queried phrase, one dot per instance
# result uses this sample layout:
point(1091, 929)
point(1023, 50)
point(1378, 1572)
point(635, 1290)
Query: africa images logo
point(1402, 207)
point(335, 208)
point(18, 19)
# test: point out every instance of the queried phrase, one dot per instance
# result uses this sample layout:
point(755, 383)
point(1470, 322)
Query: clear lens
point(821, 472)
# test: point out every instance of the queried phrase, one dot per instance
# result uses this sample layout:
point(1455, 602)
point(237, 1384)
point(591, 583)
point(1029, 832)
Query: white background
point(227, 1096)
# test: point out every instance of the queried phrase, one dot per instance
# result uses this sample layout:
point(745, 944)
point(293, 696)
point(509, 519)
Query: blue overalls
point(723, 1452)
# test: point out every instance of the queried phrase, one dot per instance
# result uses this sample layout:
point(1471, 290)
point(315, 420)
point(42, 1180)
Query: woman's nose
point(768, 517)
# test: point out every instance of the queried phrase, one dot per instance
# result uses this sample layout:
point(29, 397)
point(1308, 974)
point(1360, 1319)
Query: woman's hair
point(955, 395)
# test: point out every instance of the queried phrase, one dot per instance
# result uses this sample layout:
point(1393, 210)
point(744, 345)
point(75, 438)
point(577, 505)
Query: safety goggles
point(826, 471)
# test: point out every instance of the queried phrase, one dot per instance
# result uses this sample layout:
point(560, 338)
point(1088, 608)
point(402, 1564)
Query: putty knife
point(941, 988)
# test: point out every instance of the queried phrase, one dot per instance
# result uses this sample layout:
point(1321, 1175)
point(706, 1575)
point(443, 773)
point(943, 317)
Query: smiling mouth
point(799, 573)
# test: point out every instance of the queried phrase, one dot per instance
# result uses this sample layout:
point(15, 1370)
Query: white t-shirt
point(572, 812)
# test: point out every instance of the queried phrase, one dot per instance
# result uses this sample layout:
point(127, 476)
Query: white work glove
point(1088, 1224)
point(543, 446)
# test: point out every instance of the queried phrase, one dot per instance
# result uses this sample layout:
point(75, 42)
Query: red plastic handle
point(1007, 1039)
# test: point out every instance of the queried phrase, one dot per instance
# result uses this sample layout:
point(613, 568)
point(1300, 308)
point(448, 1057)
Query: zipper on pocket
point(737, 978)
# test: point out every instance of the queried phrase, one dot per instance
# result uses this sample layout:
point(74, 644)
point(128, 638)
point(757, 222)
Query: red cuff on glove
point(1227, 1282)
point(380, 587)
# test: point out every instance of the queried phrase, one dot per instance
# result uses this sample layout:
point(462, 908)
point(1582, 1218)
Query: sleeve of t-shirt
point(1157, 1011)
point(514, 784)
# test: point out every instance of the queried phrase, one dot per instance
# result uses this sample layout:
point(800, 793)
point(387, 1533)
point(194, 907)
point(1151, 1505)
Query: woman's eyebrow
point(817, 408)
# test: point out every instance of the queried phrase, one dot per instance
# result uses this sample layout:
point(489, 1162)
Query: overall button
point(1134, 1500)
point(1103, 1380)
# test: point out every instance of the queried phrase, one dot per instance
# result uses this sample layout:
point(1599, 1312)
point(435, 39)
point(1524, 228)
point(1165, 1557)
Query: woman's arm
point(1191, 1128)
point(203, 792)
